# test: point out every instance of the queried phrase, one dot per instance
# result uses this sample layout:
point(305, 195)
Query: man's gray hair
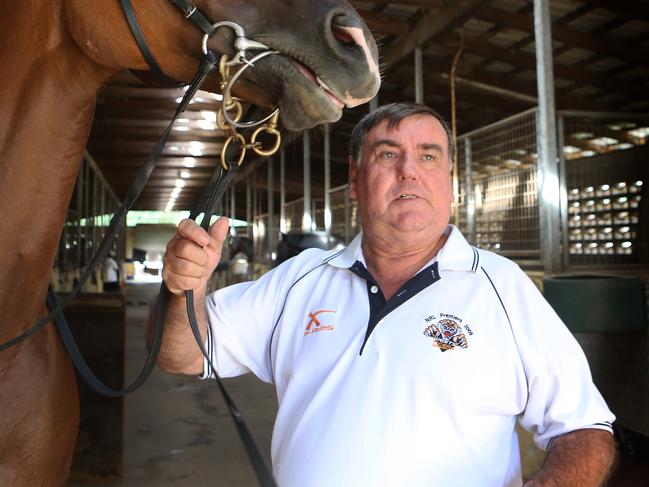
point(394, 113)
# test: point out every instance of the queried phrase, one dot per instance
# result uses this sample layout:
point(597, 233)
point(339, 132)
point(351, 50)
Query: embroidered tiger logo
point(446, 335)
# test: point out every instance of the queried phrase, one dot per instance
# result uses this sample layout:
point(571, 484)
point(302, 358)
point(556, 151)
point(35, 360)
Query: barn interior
point(549, 100)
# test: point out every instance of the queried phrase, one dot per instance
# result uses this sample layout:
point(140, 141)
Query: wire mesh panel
point(606, 160)
point(502, 159)
point(294, 215)
point(345, 222)
point(264, 243)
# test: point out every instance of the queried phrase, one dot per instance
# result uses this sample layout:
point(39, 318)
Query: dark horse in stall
point(55, 56)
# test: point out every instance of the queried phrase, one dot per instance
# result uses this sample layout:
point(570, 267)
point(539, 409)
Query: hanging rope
point(456, 185)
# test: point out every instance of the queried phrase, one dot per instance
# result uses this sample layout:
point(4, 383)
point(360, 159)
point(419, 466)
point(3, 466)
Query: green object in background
point(597, 303)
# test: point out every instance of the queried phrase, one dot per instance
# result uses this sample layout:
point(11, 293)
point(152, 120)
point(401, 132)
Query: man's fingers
point(188, 250)
point(179, 284)
point(184, 267)
point(194, 232)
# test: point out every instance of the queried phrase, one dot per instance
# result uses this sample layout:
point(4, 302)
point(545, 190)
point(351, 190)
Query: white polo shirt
point(423, 390)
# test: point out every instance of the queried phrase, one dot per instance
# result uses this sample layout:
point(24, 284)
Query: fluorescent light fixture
point(641, 132)
point(206, 125)
point(604, 141)
point(208, 116)
point(184, 174)
point(180, 183)
point(189, 162)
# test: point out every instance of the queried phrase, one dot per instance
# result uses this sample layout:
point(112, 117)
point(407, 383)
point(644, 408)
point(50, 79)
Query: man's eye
point(428, 157)
point(387, 155)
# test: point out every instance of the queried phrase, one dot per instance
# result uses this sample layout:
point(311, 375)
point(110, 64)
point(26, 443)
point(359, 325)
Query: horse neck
point(47, 94)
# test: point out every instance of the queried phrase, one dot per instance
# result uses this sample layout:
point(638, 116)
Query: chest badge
point(447, 334)
point(314, 324)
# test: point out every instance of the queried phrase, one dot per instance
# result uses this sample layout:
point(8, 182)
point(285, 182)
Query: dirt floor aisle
point(177, 430)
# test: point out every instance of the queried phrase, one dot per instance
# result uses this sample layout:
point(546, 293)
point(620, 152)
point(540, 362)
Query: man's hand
point(192, 255)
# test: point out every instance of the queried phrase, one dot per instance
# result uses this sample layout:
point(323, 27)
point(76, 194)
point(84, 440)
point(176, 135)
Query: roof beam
point(525, 23)
point(579, 76)
point(432, 23)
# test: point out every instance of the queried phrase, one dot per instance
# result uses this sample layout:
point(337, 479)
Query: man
point(110, 273)
point(407, 358)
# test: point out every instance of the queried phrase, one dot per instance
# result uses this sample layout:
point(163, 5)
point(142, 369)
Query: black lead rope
point(208, 206)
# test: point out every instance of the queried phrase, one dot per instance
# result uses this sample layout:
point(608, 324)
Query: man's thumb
point(219, 229)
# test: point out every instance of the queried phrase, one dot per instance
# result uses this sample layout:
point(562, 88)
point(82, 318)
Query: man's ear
point(353, 174)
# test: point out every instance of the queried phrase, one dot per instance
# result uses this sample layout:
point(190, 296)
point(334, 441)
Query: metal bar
point(547, 141)
point(282, 191)
point(374, 103)
point(249, 206)
point(233, 210)
point(271, 210)
point(587, 114)
point(348, 230)
point(563, 199)
point(338, 188)
point(95, 167)
point(79, 195)
point(327, 180)
point(254, 207)
point(468, 191)
point(307, 219)
point(419, 76)
point(498, 123)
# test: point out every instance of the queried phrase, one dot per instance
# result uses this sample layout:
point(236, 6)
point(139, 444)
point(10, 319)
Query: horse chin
point(302, 103)
point(305, 109)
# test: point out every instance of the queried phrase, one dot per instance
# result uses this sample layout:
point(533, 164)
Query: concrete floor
point(177, 429)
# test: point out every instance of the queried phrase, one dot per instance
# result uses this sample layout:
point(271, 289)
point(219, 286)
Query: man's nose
point(407, 166)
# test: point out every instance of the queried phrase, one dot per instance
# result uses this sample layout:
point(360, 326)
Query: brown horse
point(54, 57)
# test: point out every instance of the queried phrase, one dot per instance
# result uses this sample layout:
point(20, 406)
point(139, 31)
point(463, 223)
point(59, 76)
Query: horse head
point(327, 58)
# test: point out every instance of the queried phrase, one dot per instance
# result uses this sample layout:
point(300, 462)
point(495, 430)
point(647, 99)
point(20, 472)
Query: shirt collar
point(456, 254)
point(345, 258)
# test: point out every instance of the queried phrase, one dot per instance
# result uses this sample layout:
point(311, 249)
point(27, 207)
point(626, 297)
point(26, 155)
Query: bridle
point(229, 118)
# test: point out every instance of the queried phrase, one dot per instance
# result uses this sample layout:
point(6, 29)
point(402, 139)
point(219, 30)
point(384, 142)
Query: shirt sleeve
point(561, 394)
point(242, 318)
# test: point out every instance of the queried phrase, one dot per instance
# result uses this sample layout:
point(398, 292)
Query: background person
point(406, 358)
point(110, 273)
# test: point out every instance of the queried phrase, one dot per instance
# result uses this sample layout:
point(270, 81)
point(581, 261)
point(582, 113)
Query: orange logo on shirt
point(314, 325)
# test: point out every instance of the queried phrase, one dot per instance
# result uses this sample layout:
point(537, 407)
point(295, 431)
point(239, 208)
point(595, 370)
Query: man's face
point(403, 183)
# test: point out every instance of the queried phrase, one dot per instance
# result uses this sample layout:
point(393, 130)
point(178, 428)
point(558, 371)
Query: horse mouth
point(314, 78)
point(304, 99)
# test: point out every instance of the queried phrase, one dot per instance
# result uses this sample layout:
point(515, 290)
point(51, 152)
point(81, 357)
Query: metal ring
point(226, 93)
point(238, 32)
point(271, 131)
point(224, 150)
point(221, 121)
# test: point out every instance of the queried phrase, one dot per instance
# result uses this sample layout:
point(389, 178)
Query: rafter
point(429, 25)
point(609, 47)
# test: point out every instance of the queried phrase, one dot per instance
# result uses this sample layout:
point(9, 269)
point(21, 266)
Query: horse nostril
point(343, 36)
point(341, 32)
